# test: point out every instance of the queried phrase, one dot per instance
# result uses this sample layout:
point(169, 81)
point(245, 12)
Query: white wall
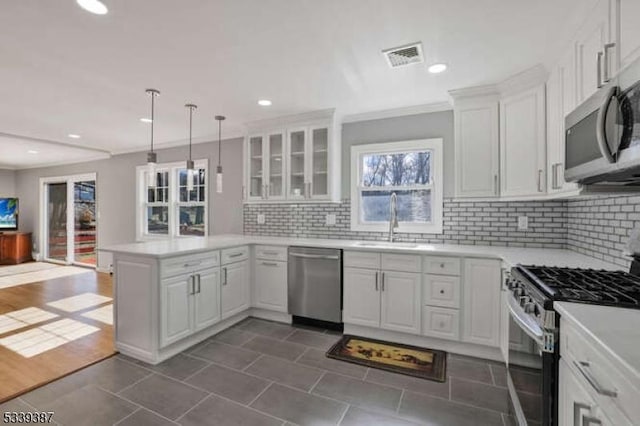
point(116, 191)
point(7, 183)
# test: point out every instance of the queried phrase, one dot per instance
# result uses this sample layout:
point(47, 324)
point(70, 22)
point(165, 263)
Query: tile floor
point(264, 373)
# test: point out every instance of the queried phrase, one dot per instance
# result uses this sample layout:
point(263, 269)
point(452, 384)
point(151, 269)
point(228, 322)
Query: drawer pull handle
point(224, 282)
point(583, 368)
point(269, 263)
point(270, 253)
point(589, 421)
point(236, 254)
point(189, 265)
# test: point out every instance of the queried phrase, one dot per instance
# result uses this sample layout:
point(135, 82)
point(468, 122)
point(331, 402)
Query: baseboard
point(460, 348)
point(103, 270)
point(271, 315)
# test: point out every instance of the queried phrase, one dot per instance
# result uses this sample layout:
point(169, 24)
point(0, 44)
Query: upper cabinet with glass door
point(300, 161)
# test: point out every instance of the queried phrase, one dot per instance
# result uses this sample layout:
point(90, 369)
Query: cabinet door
point(275, 169)
point(481, 307)
point(176, 309)
point(592, 37)
point(270, 285)
point(400, 307)
point(574, 401)
point(523, 143)
point(361, 297)
point(297, 164)
point(629, 30)
point(477, 150)
point(441, 290)
point(234, 296)
point(207, 299)
point(319, 158)
point(255, 161)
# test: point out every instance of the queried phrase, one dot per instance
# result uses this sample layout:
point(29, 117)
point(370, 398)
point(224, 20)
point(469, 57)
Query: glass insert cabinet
point(293, 163)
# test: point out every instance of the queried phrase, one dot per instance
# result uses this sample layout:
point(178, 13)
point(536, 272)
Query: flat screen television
point(8, 214)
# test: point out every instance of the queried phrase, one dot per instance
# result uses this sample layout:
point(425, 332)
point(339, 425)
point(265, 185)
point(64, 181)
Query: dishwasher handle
point(314, 256)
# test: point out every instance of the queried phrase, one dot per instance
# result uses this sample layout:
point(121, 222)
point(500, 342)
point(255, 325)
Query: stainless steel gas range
point(533, 355)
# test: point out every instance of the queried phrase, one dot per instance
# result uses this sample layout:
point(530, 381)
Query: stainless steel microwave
point(602, 140)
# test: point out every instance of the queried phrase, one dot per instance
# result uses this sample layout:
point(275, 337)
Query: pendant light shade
point(190, 165)
point(219, 118)
point(152, 158)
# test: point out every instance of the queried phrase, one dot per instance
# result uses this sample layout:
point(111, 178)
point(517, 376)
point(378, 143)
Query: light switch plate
point(331, 219)
point(523, 223)
point(261, 219)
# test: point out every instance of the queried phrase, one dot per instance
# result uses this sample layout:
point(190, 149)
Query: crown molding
point(58, 163)
point(293, 119)
point(398, 112)
point(179, 143)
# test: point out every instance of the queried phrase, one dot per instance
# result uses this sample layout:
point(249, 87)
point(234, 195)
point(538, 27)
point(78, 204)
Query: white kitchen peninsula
point(172, 294)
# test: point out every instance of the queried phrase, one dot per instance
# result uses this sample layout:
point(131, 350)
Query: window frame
point(435, 145)
point(173, 202)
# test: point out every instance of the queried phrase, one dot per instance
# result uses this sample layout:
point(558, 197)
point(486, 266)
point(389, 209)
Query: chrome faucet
point(393, 215)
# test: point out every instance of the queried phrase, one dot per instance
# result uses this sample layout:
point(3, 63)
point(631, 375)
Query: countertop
point(616, 330)
point(509, 255)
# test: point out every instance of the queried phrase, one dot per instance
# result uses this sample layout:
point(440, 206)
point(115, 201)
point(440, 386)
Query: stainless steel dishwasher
point(315, 284)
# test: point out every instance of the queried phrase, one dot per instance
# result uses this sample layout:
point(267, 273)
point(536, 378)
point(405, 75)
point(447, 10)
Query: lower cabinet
point(234, 297)
point(382, 299)
point(189, 303)
point(481, 301)
point(270, 285)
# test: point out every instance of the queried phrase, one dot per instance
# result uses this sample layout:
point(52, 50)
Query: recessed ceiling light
point(73, 136)
point(93, 6)
point(31, 151)
point(146, 120)
point(437, 68)
point(264, 102)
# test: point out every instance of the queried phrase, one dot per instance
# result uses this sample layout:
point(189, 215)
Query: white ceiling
point(64, 70)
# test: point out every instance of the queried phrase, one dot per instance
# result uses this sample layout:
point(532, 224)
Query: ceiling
point(64, 70)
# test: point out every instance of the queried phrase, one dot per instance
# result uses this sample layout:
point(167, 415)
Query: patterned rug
point(404, 359)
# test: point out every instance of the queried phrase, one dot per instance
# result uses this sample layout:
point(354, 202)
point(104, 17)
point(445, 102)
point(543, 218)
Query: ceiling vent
point(404, 55)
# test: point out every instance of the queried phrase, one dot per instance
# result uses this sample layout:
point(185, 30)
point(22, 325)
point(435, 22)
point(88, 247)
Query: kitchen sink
point(385, 245)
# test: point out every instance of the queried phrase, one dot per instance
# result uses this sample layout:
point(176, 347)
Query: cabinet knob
point(441, 324)
point(441, 291)
point(442, 265)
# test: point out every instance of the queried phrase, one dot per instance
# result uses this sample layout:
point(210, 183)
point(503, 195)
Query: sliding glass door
point(69, 220)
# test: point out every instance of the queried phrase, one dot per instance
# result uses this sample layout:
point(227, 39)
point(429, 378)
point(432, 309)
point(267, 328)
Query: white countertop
point(510, 255)
point(616, 330)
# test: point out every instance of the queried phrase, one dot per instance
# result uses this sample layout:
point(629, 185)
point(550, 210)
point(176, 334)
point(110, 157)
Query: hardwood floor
point(19, 374)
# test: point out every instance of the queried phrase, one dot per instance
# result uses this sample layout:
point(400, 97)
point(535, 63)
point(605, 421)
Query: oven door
point(530, 371)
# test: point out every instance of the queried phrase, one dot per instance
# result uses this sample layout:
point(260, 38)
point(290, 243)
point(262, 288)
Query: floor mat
point(410, 360)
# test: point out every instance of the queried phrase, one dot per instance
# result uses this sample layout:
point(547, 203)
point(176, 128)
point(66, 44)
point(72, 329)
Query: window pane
point(158, 220)
point(192, 220)
point(413, 206)
point(198, 193)
point(399, 169)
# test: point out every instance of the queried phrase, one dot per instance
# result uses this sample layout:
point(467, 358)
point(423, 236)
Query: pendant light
point(152, 158)
point(219, 118)
point(190, 167)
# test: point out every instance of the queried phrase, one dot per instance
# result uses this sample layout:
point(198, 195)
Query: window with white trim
point(170, 209)
point(410, 169)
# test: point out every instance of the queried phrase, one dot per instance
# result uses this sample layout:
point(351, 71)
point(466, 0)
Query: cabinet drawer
point(271, 253)
point(362, 259)
point(189, 263)
point(586, 359)
point(441, 322)
point(441, 265)
point(441, 290)
point(400, 262)
point(235, 254)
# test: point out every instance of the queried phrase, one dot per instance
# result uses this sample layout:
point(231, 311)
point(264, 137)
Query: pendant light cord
point(190, 127)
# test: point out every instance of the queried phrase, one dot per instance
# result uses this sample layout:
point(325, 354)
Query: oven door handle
point(523, 320)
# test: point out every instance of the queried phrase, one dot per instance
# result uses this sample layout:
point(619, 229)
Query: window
point(170, 209)
point(412, 170)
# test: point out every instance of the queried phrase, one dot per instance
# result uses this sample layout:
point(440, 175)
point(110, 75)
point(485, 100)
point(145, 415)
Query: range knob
point(518, 292)
point(524, 300)
point(530, 308)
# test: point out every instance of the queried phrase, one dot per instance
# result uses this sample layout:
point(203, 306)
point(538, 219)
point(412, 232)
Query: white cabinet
point(234, 297)
point(443, 323)
point(293, 159)
point(400, 307)
point(522, 143)
point(628, 30)
point(270, 285)
point(441, 290)
point(594, 37)
point(481, 302)
point(382, 298)
point(477, 147)
point(361, 297)
point(189, 303)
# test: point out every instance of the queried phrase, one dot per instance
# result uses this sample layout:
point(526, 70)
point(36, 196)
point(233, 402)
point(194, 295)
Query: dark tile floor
point(265, 373)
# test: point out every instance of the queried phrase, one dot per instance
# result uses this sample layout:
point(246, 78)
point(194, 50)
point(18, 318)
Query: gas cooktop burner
point(615, 288)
